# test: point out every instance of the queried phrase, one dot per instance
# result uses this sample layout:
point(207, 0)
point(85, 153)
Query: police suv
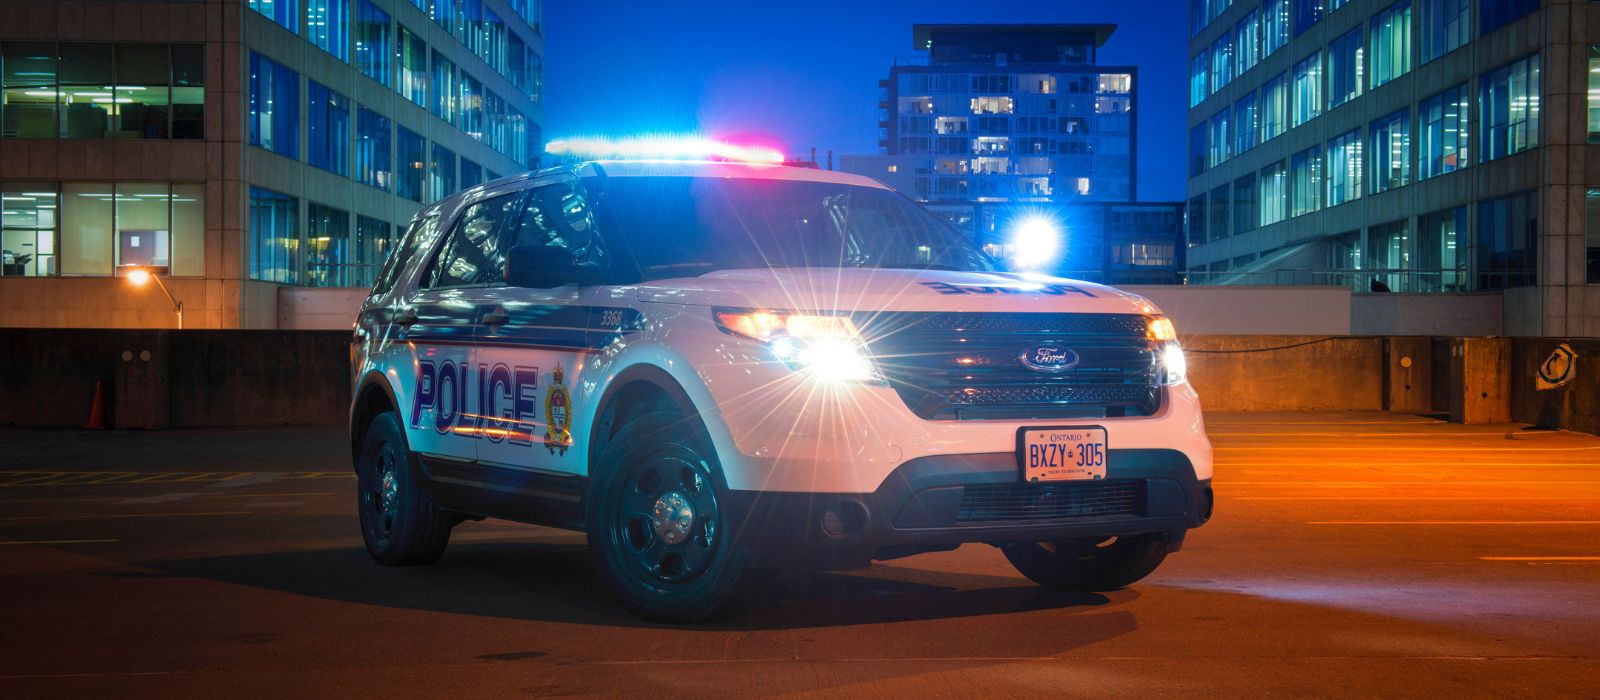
point(717, 368)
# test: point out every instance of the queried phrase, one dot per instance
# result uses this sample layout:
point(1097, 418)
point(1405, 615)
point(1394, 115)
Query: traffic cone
point(97, 411)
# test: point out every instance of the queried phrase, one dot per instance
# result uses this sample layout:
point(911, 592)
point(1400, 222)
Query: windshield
point(686, 226)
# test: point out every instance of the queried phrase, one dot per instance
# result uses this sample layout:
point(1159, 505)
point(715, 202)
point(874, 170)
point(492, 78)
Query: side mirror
point(546, 266)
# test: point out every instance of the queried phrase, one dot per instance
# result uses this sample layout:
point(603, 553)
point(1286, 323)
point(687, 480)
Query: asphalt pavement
point(1352, 555)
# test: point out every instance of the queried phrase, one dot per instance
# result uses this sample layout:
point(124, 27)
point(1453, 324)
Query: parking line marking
point(1453, 522)
point(1540, 558)
point(101, 516)
point(42, 542)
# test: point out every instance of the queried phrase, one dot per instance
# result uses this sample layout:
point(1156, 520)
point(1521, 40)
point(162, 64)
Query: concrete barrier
point(1572, 406)
point(1287, 372)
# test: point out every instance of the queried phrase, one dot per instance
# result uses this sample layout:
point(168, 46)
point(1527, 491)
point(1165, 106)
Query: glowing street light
point(139, 277)
point(1035, 241)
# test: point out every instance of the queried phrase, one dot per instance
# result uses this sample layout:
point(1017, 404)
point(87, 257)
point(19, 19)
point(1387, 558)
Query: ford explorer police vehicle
point(715, 368)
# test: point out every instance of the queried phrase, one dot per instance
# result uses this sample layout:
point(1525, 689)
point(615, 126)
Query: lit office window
point(1391, 151)
point(143, 101)
point(327, 246)
point(471, 174)
point(105, 225)
point(498, 128)
point(1508, 229)
point(1218, 7)
point(516, 60)
point(1221, 138)
point(443, 12)
point(1442, 133)
point(1508, 105)
point(1246, 118)
point(1345, 167)
point(411, 61)
point(374, 47)
point(470, 105)
point(1246, 209)
point(1594, 94)
point(441, 173)
point(1345, 67)
point(328, 26)
point(1198, 149)
point(373, 243)
point(274, 237)
point(1389, 246)
point(286, 13)
point(535, 76)
point(1307, 89)
point(1446, 26)
point(1274, 193)
point(274, 106)
point(494, 42)
point(1307, 13)
point(1247, 41)
point(445, 90)
point(1494, 14)
point(188, 91)
point(1391, 43)
point(129, 91)
point(1199, 75)
point(412, 159)
point(1305, 181)
point(1442, 250)
point(1592, 235)
point(28, 229)
point(1274, 26)
point(1197, 16)
point(374, 149)
point(1221, 62)
point(469, 29)
point(1274, 107)
point(327, 129)
point(29, 77)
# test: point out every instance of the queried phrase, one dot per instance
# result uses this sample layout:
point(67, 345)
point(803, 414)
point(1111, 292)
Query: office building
point(1427, 146)
point(242, 149)
point(992, 124)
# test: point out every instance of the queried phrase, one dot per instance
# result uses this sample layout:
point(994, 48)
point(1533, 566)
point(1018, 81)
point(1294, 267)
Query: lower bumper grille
point(1050, 501)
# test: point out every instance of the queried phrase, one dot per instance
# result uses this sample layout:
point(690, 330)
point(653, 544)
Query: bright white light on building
point(1035, 242)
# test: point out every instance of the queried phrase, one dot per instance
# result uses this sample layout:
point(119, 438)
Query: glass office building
point(1400, 146)
point(243, 149)
point(989, 123)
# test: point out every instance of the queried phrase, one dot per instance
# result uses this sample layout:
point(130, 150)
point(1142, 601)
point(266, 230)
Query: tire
point(658, 538)
point(1088, 565)
point(399, 523)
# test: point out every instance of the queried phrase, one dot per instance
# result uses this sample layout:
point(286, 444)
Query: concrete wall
point(1465, 314)
point(1243, 310)
point(1287, 373)
point(327, 308)
point(1575, 406)
point(154, 379)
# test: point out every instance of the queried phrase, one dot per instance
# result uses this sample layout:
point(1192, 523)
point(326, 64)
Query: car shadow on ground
point(555, 583)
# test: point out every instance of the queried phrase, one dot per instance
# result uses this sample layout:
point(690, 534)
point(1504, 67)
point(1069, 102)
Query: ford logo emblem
point(1048, 358)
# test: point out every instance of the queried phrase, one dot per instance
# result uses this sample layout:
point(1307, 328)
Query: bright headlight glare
point(826, 348)
point(1174, 368)
point(1161, 328)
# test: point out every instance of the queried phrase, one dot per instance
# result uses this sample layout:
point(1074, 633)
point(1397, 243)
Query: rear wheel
point(657, 533)
point(1088, 564)
point(399, 523)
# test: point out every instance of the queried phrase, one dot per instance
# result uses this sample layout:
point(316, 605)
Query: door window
point(473, 255)
point(559, 215)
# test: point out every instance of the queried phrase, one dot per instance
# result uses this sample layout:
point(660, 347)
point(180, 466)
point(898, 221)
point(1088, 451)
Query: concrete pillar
point(1480, 380)
point(142, 395)
point(1408, 374)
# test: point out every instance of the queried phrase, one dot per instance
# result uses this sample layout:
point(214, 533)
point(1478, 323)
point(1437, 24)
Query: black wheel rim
point(664, 525)
point(380, 494)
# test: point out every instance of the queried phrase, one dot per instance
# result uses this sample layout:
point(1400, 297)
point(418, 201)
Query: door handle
point(497, 317)
point(406, 318)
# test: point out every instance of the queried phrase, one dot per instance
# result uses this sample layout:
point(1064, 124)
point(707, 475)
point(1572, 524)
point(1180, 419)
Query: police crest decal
point(558, 415)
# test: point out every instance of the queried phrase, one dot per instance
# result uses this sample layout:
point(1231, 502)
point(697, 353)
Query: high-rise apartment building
point(242, 149)
point(992, 123)
point(1429, 146)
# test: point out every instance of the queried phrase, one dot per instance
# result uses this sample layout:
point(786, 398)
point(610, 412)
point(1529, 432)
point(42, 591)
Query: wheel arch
point(372, 397)
point(634, 391)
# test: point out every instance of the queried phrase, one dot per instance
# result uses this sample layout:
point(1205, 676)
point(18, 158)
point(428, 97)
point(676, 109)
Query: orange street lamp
point(139, 277)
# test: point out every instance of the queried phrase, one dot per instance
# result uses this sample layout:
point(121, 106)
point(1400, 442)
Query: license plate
point(1062, 454)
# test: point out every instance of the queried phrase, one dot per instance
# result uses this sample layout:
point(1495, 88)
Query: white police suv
point(715, 368)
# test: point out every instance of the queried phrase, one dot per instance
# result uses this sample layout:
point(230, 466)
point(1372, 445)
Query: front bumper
point(940, 502)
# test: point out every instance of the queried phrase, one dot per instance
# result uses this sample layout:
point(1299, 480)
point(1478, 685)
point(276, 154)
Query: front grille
point(965, 366)
point(1049, 501)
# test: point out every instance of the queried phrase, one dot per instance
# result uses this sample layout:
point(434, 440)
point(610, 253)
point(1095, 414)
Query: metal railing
point(1372, 279)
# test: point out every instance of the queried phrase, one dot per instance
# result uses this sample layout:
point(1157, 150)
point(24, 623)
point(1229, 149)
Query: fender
point(357, 404)
point(681, 389)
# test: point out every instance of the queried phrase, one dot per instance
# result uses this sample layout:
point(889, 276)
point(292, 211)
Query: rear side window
point(397, 262)
point(473, 255)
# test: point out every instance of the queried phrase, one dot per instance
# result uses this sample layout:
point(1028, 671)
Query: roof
point(921, 34)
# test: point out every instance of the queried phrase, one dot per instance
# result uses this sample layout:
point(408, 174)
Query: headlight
point(827, 348)
point(1174, 368)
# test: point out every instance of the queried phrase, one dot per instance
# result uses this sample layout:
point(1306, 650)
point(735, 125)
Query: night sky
point(801, 74)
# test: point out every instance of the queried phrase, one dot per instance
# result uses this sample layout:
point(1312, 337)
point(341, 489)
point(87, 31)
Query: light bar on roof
point(663, 148)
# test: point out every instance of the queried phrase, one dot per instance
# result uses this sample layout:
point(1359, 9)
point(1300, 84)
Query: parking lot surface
point(1352, 554)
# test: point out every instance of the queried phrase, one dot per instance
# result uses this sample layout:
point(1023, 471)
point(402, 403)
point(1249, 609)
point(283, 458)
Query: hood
point(875, 289)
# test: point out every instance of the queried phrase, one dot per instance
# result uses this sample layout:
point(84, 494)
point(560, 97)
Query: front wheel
point(1088, 564)
point(658, 535)
point(399, 523)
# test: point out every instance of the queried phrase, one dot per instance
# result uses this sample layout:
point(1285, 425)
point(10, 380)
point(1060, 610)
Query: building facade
point(241, 148)
point(993, 123)
point(1427, 146)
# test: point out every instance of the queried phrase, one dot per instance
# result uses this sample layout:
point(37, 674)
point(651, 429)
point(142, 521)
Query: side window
point(560, 215)
point(400, 259)
point(473, 254)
